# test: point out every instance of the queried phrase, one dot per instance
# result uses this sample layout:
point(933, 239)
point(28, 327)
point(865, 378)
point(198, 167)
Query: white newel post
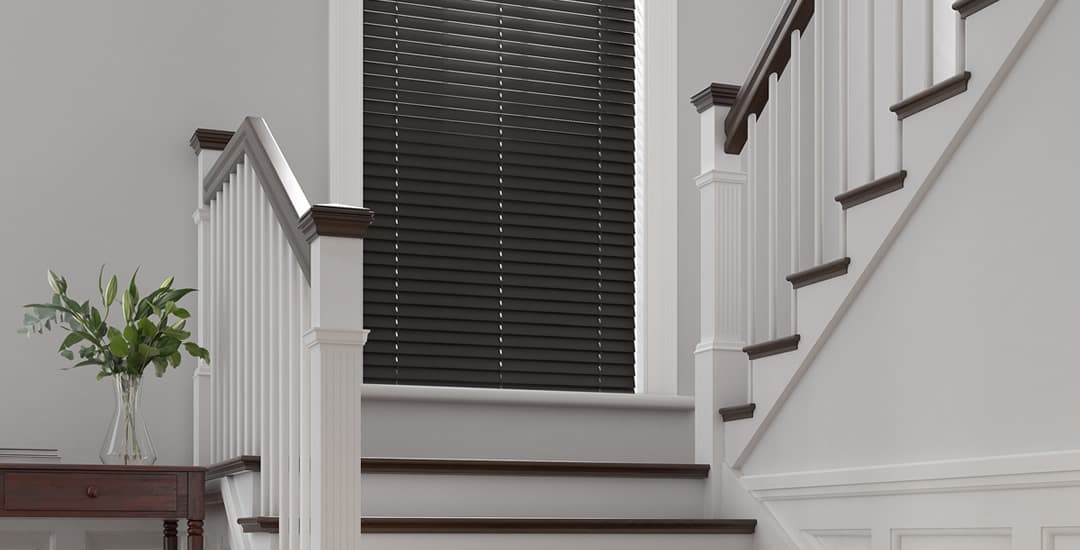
point(208, 145)
point(335, 344)
point(720, 366)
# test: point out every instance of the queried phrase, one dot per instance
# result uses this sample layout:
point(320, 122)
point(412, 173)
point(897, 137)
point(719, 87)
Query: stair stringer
point(995, 39)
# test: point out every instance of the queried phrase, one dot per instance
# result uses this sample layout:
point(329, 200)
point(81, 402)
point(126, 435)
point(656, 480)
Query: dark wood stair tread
point(950, 87)
point(772, 347)
point(259, 524)
point(267, 524)
point(567, 468)
point(870, 191)
point(238, 465)
point(737, 412)
point(968, 7)
point(823, 272)
point(533, 467)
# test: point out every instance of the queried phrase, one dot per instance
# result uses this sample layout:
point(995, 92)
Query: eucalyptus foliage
point(150, 333)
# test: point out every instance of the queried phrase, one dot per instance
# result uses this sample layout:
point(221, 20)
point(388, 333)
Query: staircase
point(809, 171)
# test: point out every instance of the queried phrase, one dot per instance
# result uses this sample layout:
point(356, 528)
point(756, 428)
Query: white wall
point(97, 102)
point(961, 345)
point(718, 41)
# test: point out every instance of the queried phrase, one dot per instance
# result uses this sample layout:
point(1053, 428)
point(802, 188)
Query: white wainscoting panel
point(952, 539)
point(1061, 538)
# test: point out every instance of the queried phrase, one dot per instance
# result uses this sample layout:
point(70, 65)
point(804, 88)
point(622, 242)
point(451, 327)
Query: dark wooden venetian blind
point(499, 155)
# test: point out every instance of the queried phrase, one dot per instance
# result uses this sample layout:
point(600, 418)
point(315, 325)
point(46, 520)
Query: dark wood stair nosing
point(968, 7)
point(238, 465)
point(950, 87)
point(259, 524)
point(870, 191)
point(557, 525)
point(737, 412)
point(823, 272)
point(772, 347)
point(533, 467)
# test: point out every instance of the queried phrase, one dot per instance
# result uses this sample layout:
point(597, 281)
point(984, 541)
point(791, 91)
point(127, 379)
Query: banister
point(298, 218)
point(773, 58)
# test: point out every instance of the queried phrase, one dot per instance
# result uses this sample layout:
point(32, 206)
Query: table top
point(100, 467)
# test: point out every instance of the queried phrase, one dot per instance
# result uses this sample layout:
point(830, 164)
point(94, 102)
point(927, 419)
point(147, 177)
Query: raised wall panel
point(952, 539)
point(1061, 538)
point(840, 540)
point(123, 540)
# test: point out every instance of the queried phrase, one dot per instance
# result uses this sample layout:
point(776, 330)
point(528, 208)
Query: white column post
point(720, 366)
point(335, 344)
point(346, 101)
point(208, 145)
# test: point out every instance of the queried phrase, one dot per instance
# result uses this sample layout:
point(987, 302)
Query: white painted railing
point(812, 121)
point(825, 128)
point(262, 262)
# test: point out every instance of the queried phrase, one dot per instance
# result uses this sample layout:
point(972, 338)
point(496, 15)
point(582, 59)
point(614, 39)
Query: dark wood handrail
point(773, 58)
point(299, 219)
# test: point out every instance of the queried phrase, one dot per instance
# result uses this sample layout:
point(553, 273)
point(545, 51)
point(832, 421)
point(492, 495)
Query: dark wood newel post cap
point(335, 220)
point(715, 94)
point(212, 140)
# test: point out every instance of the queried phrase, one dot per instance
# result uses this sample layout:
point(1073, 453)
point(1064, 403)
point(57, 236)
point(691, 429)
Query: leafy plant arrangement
point(151, 331)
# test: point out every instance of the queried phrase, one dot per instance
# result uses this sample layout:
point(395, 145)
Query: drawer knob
point(92, 491)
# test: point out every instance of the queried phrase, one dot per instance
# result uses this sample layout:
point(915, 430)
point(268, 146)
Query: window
point(499, 159)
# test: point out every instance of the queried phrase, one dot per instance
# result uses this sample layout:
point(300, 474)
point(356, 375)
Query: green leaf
point(146, 328)
point(181, 313)
point(161, 364)
point(175, 359)
point(194, 350)
point(71, 340)
point(131, 335)
point(168, 283)
point(148, 352)
point(86, 363)
point(118, 347)
point(134, 290)
point(67, 354)
point(127, 301)
point(110, 292)
point(59, 286)
point(178, 325)
point(101, 289)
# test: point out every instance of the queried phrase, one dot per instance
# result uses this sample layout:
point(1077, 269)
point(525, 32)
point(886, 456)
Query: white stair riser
point(441, 541)
point(419, 429)
point(429, 495)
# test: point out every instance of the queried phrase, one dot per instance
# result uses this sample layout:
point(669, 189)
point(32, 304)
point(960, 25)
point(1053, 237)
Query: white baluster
point(281, 468)
point(961, 43)
point(750, 149)
point(842, 120)
point(819, 131)
point(888, 66)
point(302, 492)
point(795, 174)
point(264, 228)
point(230, 340)
point(293, 338)
point(772, 174)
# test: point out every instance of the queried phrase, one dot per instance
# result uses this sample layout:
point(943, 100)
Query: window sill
point(439, 394)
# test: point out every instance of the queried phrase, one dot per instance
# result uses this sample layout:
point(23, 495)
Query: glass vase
point(128, 440)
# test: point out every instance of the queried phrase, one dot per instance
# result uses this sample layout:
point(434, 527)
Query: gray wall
point(97, 101)
point(718, 41)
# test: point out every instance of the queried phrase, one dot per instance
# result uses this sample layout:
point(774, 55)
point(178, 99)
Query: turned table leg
point(195, 532)
point(170, 534)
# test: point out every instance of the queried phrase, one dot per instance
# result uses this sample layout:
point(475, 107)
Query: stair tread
point(931, 96)
point(568, 468)
point(877, 188)
point(269, 524)
point(816, 274)
point(737, 412)
point(772, 347)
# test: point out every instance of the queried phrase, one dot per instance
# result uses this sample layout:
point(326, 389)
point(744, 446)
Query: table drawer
point(102, 492)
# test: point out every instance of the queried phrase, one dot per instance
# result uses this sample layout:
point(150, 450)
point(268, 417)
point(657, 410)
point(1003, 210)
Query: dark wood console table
point(169, 493)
